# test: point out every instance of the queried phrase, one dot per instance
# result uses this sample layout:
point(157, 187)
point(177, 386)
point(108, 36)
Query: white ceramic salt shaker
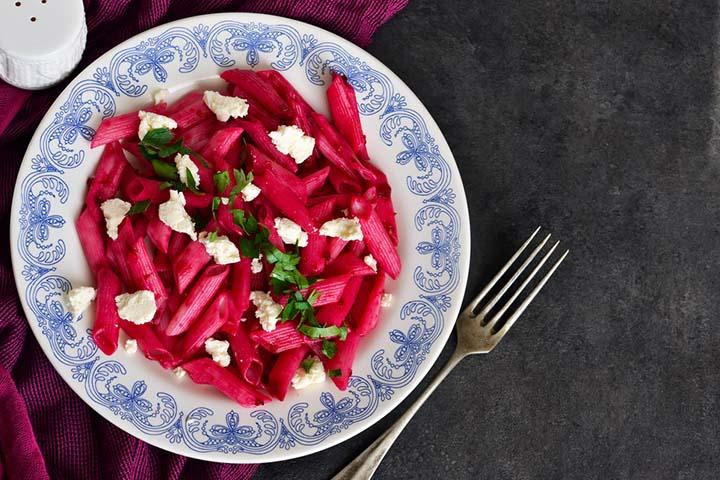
point(41, 41)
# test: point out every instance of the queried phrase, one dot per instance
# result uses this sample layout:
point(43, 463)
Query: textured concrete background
point(595, 119)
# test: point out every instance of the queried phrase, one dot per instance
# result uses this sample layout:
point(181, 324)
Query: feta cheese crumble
point(151, 121)
point(302, 379)
point(138, 308)
point(370, 262)
point(184, 164)
point(179, 372)
point(78, 299)
point(291, 140)
point(219, 351)
point(225, 200)
point(225, 107)
point(172, 213)
point(256, 266)
point(344, 228)
point(266, 310)
point(114, 211)
point(131, 346)
point(250, 192)
point(290, 232)
point(161, 95)
point(386, 300)
point(223, 251)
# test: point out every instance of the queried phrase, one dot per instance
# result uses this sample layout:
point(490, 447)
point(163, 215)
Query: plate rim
point(356, 428)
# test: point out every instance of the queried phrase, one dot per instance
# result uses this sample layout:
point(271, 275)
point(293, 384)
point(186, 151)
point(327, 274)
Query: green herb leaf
point(164, 170)
point(241, 181)
point(314, 295)
point(215, 205)
point(329, 348)
point(222, 180)
point(307, 364)
point(212, 236)
point(238, 216)
point(158, 136)
point(170, 149)
point(323, 332)
point(247, 222)
point(190, 180)
point(248, 248)
point(335, 373)
point(139, 207)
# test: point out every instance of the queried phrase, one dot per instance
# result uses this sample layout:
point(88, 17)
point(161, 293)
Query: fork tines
point(484, 313)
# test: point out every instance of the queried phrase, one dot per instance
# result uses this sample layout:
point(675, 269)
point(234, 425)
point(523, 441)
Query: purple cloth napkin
point(46, 431)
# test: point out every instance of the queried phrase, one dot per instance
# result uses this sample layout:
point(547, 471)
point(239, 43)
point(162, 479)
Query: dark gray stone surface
point(595, 119)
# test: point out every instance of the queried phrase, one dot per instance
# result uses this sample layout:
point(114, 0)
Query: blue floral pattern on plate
point(62, 147)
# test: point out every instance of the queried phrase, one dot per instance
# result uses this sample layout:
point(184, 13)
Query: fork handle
point(364, 466)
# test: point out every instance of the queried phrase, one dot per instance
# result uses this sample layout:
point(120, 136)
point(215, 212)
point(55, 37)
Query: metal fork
point(478, 332)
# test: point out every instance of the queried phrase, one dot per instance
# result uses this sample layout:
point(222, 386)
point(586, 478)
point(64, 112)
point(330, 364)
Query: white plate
point(138, 395)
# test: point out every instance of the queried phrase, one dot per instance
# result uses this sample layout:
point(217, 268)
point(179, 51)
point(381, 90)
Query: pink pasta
point(242, 258)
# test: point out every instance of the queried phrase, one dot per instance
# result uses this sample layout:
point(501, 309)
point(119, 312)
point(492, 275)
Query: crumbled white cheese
point(184, 164)
point(222, 249)
point(344, 228)
point(131, 346)
point(161, 95)
point(256, 266)
point(250, 192)
point(138, 307)
point(172, 213)
point(151, 121)
point(386, 300)
point(302, 379)
point(114, 211)
point(225, 200)
point(291, 140)
point(225, 107)
point(219, 351)
point(78, 299)
point(179, 372)
point(266, 310)
point(370, 262)
point(290, 232)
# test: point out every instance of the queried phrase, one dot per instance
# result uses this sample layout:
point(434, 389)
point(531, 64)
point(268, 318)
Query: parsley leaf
point(307, 364)
point(139, 207)
point(222, 180)
point(158, 143)
point(298, 305)
point(241, 181)
point(335, 373)
point(190, 180)
point(158, 136)
point(248, 248)
point(164, 170)
point(323, 332)
point(215, 205)
point(212, 236)
point(329, 348)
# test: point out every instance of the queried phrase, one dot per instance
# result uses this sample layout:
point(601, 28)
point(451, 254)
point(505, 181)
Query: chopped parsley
point(242, 180)
point(307, 364)
point(221, 180)
point(158, 145)
point(139, 207)
point(329, 348)
point(323, 332)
